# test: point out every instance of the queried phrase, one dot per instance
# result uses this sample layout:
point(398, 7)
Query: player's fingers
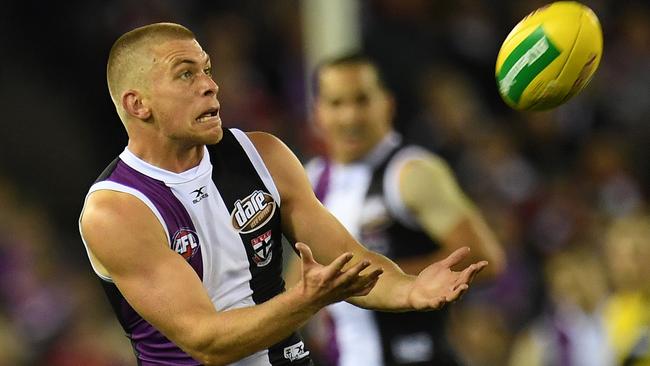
point(352, 274)
point(436, 303)
point(334, 268)
point(456, 293)
point(373, 276)
point(305, 253)
point(456, 257)
point(470, 272)
point(480, 265)
point(363, 284)
point(365, 290)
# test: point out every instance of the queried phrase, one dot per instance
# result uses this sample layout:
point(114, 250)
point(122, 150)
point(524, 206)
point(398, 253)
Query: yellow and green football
point(549, 56)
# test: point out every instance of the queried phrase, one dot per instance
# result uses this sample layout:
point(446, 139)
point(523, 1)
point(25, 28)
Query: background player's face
point(182, 94)
point(628, 256)
point(352, 109)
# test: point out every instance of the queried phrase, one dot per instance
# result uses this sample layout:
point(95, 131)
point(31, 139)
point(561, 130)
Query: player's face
point(182, 94)
point(352, 109)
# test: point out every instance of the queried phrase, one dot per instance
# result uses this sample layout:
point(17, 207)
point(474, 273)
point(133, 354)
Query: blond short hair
point(127, 59)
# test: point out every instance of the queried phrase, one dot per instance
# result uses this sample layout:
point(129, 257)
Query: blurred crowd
point(565, 190)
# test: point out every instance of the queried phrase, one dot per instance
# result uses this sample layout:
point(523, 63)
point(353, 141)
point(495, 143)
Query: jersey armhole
point(394, 200)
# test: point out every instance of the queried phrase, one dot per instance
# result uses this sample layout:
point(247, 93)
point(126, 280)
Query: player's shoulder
point(415, 171)
point(277, 156)
point(113, 220)
point(267, 144)
point(263, 138)
point(418, 160)
point(107, 206)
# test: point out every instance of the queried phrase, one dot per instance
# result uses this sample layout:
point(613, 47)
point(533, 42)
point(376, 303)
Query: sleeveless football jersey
point(223, 217)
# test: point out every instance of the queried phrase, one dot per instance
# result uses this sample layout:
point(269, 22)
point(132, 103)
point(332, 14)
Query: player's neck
point(171, 158)
point(372, 153)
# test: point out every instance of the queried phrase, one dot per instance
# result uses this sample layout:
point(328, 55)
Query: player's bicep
point(311, 223)
point(129, 241)
point(303, 217)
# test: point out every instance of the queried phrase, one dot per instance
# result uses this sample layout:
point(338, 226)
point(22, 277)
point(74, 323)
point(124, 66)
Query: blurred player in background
point(627, 312)
point(397, 199)
point(571, 328)
point(184, 227)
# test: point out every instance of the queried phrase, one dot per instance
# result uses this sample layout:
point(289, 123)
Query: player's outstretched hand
point(324, 285)
point(438, 284)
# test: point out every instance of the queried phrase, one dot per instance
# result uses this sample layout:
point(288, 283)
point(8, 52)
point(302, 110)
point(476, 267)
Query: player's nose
point(210, 87)
point(349, 114)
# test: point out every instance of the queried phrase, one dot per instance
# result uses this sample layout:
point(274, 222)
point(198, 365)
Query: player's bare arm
point(121, 232)
point(305, 219)
point(431, 193)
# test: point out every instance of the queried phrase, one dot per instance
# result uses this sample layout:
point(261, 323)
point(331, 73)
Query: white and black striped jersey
point(223, 217)
point(364, 196)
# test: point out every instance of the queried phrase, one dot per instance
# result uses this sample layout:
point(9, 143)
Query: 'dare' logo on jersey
point(186, 243)
point(262, 249)
point(252, 212)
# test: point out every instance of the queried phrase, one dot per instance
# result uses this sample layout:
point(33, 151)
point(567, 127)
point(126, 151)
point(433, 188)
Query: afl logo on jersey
point(186, 243)
point(252, 212)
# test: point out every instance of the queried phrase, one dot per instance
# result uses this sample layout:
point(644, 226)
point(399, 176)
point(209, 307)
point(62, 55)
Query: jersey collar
point(379, 153)
point(166, 176)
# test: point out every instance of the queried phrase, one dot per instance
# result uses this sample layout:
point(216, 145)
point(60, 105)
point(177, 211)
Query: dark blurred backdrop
point(552, 184)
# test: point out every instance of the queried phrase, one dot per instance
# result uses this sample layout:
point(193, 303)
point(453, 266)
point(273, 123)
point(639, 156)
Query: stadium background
point(549, 183)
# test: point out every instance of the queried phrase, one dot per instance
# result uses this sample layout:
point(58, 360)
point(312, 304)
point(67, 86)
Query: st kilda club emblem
point(262, 249)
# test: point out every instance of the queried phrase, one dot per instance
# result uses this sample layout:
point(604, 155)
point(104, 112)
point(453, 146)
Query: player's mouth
point(210, 115)
point(353, 135)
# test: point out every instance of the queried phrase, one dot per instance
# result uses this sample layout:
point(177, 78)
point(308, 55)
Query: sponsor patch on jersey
point(252, 212)
point(186, 243)
point(262, 249)
point(295, 352)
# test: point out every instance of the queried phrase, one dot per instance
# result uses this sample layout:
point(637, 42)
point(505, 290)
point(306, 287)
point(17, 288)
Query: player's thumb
point(305, 253)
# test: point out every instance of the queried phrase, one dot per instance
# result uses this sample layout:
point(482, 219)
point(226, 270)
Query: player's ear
point(132, 102)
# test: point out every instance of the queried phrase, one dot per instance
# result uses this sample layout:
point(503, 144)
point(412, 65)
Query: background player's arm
point(130, 243)
point(430, 192)
point(305, 219)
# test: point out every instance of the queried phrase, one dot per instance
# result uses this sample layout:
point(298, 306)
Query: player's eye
point(362, 99)
point(186, 75)
point(208, 71)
